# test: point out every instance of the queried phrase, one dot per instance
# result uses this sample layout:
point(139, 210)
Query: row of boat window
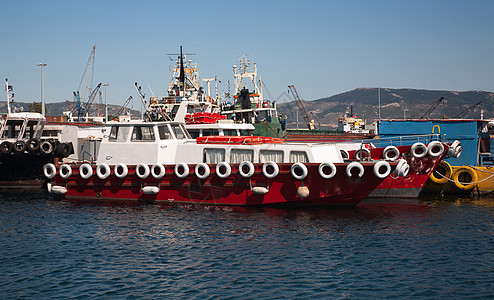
point(195, 133)
point(146, 133)
point(217, 155)
point(13, 128)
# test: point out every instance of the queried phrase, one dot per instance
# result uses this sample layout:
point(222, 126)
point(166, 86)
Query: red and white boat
point(422, 154)
point(159, 162)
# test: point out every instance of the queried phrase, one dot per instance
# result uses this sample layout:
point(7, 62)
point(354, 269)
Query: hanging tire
point(64, 149)
point(391, 153)
point(65, 171)
point(19, 147)
point(158, 171)
point(246, 169)
point(32, 145)
point(223, 170)
point(270, 169)
point(465, 178)
point(6, 147)
point(103, 171)
point(181, 170)
point(442, 173)
point(85, 171)
point(402, 168)
point(353, 165)
point(344, 154)
point(142, 171)
point(435, 148)
point(378, 169)
point(46, 148)
point(299, 171)
point(120, 170)
point(418, 150)
point(49, 170)
point(362, 154)
point(202, 171)
point(323, 167)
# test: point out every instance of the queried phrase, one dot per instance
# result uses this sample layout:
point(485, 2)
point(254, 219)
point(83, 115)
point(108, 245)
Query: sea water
point(425, 248)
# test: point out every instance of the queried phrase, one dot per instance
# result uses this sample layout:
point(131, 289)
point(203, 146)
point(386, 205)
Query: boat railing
point(401, 140)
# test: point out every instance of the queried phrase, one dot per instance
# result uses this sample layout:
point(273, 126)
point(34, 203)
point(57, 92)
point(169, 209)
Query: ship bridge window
point(164, 133)
point(119, 133)
point(213, 155)
point(143, 133)
point(298, 156)
point(30, 129)
point(194, 133)
point(270, 155)
point(239, 155)
point(179, 132)
point(12, 129)
point(246, 132)
point(230, 132)
point(209, 132)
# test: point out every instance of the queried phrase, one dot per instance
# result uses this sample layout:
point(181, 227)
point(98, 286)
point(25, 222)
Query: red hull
point(411, 185)
point(234, 190)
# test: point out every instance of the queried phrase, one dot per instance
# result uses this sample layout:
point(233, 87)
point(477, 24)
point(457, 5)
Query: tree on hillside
point(35, 107)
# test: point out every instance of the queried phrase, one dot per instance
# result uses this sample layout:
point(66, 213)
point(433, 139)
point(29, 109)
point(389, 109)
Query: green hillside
point(395, 103)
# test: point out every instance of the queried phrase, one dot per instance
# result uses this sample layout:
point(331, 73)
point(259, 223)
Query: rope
point(466, 183)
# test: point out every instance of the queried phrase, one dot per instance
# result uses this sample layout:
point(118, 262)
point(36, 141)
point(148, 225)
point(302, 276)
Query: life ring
point(244, 165)
point(32, 145)
point(49, 171)
point(270, 173)
point(402, 168)
point(202, 170)
point(344, 154)
point(418, 150)
point(65, 171)
point(6, 147)
point(324, 166)
point(181, 170)
point(391, 153)
point(103, 171)
point(46, 148)
point(86, 171)
point(158, 170)
point(299, 171)
point(465, 178)
point(142, 171)
point(378, 166)
point(354, 165)
point(435, 148)
point(227, 168)
point(362, 154)
point(19, 146)
point(118, 173)
point(443, 171)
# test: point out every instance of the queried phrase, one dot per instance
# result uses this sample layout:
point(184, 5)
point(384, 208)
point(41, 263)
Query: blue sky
point(323, 47)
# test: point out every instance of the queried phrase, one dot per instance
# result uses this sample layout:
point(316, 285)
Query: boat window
point(30, 129)
point(298, 156)
point(213, 156)
point(119, 133)
point(143, 133)
point(208, 132)
point(178, 131)
point(246, 132)
point(239, 155)
point(270, 155)
point(12, 129)
point(194, 133)
point(230, 132)
point(164, 132)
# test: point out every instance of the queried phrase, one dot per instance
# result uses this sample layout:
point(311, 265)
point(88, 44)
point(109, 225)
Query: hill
point(395, 103)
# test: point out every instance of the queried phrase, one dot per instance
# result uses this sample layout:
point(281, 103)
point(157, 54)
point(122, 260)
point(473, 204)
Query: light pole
point(106, 103)
point(42, 90)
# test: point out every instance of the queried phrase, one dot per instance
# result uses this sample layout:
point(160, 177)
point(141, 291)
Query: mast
point(7, 90)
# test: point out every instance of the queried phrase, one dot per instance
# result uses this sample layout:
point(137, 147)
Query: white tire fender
point(158, 170)
point(391, 153)
point(85, 171)
point(205, 171)
point(228, 169)
point(65, 171)
point(435, 148)
point(323, 166)
point(243, 165)
point(299, 171)
point(123, 173)
point(418, 150)
point(379, 165)
point(355, 165)
point(273, 165)
point(103, 171)
point(185, 169)
point(49, 171)
point(142, 171)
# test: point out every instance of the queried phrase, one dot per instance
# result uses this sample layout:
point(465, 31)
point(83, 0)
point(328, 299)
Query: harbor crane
point(124, 106)
point(81, 93)
point(309, 122)
point(466, 111)
point(432, 108)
